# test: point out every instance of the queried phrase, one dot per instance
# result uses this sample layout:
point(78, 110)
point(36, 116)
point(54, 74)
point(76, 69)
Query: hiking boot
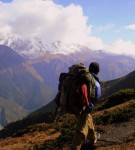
point(75, 147)
point(91, 142)
point(97, 137)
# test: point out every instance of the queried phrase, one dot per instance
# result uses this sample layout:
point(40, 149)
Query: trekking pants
point(84, 130)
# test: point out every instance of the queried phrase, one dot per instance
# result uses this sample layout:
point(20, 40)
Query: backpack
point(72, 99)
point(62, 76)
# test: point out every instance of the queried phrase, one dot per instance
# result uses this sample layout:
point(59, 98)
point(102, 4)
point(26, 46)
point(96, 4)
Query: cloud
point(51, 22)
point(131, 27)
point(106, 27)
point(46, 20)
point(121, 47)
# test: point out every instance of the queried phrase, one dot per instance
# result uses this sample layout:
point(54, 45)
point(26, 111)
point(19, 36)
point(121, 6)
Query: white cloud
point(106, 27)
point(121, 47)
point(46, 20)
point(131, 27)
point(52, 22)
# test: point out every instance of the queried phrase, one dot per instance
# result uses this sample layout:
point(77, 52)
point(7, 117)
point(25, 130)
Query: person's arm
point(98, 90)
point(87, 103)
point(85, 95)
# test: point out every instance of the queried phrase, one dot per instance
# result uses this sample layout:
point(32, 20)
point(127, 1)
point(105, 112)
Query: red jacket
point(85, 100)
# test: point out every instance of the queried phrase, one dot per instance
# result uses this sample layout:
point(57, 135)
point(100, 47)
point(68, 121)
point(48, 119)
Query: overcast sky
point(98, 24)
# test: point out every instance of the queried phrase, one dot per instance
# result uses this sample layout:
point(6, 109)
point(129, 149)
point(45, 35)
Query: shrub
point(116, 98)
point(117, 116)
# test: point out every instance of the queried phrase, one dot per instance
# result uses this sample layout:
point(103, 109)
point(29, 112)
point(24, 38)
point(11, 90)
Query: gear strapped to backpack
point(71, 99)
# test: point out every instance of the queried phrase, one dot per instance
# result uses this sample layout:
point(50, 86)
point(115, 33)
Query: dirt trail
point(116, 136)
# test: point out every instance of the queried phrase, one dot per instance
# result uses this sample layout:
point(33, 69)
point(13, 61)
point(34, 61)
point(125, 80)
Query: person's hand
point(88, 109)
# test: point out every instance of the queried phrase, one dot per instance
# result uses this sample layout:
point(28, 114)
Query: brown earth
point(29, 141)
point(113, 136)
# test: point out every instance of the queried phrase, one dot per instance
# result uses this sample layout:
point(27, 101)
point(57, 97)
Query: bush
point(66, 125)
point(117, 98)
point(117, 116)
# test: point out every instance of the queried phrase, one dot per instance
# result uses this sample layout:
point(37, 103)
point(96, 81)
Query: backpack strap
point(96, 78)
point(97, 94)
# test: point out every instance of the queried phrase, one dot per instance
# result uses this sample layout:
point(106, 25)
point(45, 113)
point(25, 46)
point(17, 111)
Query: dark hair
point(94, 67)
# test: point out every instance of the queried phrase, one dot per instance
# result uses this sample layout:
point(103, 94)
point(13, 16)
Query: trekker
point(85, 127)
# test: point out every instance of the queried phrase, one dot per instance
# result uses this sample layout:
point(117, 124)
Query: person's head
point(94, 68)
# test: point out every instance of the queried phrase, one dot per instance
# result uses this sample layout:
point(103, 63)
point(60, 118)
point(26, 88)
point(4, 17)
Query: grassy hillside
point(116, 98)
point(10, 111)
point(39, 132)
point(107, 112)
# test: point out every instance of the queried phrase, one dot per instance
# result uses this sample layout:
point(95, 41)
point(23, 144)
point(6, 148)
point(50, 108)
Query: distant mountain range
point(50, 65)
point(55, 57)
point(29, 70)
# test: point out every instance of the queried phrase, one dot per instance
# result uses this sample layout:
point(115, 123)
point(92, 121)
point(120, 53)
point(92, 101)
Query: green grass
point(116, 98)
point(117, 116)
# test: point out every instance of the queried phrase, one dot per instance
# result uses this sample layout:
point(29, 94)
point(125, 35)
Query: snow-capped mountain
point(35, 47)
point(26, 48)
point(57, 57)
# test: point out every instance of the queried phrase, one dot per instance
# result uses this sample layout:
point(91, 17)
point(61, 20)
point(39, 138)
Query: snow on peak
point(35, 47)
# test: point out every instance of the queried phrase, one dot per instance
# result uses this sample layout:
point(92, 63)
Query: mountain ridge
point(22, 84)
point(124, 82)
point(114, 65)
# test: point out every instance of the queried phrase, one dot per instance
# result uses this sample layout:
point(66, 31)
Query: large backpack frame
point(71, 99)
